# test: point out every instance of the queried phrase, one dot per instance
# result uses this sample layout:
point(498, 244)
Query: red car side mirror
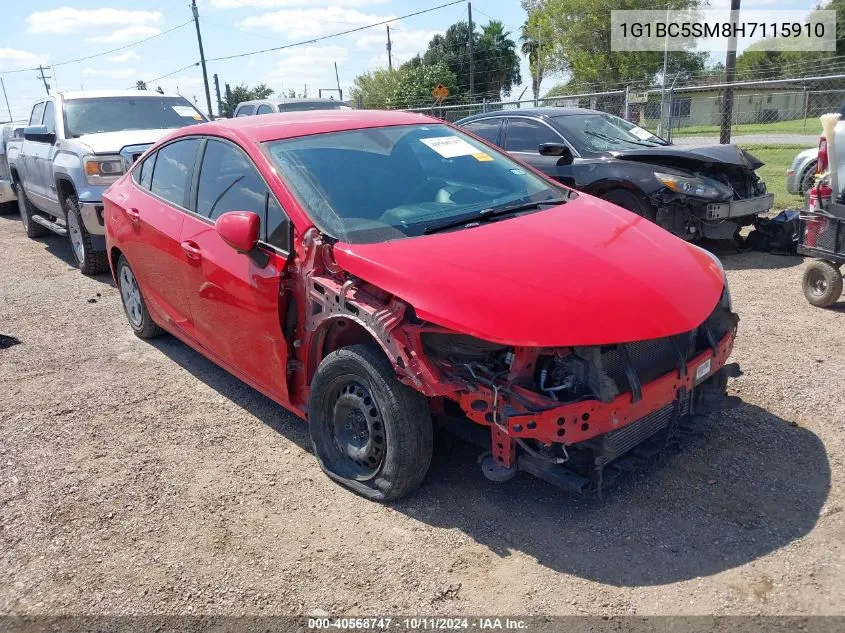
point(239, 229)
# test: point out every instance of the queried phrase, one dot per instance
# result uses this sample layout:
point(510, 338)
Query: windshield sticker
point(187, 111)
point(518, 172)
point(640, 133)
point(450, 146)
point(482, 157)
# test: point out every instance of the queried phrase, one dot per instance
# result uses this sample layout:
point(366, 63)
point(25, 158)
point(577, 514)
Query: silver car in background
point(269, 106)
point(799, 176)
point(7, 188)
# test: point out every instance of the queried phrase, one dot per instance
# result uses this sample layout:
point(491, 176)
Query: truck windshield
point(386, 183)
point(114, 114)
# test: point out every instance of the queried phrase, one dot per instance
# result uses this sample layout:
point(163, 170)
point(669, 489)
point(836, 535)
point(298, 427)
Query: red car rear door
point(236, 300)
point(146, 222)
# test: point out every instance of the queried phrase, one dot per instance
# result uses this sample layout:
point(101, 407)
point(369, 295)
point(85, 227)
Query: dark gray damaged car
point(697, 192)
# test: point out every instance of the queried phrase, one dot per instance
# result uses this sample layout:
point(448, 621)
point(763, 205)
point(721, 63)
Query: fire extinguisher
point(820, 197)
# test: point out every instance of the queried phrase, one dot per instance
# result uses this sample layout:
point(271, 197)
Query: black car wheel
point(632, 202)
point(370, 432)
point(822, 283)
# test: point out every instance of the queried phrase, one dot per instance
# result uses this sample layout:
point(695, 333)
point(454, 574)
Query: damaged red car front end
point(575, 335)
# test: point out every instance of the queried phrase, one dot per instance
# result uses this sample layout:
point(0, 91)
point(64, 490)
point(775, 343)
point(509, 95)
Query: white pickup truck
point(75, 145)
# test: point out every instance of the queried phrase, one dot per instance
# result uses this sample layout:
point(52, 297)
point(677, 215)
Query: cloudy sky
point(56, 31)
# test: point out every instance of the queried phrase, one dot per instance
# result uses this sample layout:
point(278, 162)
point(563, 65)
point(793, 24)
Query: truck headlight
point(694, 186)
point(102, 170)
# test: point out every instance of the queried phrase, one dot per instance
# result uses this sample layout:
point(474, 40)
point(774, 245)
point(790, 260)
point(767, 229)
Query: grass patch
point(797, 126)
point(778, 158)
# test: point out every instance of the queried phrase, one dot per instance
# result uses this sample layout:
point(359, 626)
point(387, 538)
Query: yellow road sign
point(440, 92)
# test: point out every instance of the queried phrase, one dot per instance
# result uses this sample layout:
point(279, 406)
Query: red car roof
point(271, 127)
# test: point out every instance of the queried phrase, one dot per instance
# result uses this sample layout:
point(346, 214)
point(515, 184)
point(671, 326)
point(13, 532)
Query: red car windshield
point(380, 184)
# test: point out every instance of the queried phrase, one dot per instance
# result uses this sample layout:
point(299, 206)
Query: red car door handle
point(192, 250)
point(133, 214)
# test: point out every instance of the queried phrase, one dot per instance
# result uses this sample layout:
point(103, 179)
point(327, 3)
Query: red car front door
point(146, 220)
point(236, 301)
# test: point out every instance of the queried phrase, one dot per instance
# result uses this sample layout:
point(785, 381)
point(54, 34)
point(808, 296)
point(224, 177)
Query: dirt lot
point(140, 478)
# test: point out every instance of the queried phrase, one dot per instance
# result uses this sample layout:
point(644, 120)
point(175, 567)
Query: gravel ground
point(138, 478)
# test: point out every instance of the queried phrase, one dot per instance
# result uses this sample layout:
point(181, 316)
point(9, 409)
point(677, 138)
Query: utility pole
point(217, 92)
point(389, 49)
point(730, 75)
point(337, 78)
point(202, 55)
point(663, 87)
point(44, 78)
point(229, 105)
point(539, 69)
point(5, 96)
point(469, 46)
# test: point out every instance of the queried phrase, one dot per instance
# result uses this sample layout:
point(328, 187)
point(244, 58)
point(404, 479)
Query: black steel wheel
point(370, 432)
point(822, 283)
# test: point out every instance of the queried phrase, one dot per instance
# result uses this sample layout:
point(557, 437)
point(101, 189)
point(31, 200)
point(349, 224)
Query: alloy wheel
point(131, 295)
point(75, 233)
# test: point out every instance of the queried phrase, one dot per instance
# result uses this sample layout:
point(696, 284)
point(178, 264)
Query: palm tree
point(499, 61)
point(531, 48)
point(140, 85)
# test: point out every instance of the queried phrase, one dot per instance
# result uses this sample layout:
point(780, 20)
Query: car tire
point(807, 177)
point(134, 306)
point(369, 432)
point(7, 208)
point(822, 283)
point(26, 211)
point(632, 202)
point(88, 260)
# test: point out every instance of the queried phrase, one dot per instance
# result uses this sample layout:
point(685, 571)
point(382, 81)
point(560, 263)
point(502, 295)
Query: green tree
point(241, 93)
point(579, 44)
point(754, 63)
point(496, 62)
point(495, 57)
point(409, 86)
point(140, 85)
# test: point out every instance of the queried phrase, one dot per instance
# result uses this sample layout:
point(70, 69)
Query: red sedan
point(371, 271)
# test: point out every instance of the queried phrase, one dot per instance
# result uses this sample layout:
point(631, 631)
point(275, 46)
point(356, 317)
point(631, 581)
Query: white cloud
point(111, 73)
point(297, 23)
point(312, 65)
point(10, 57)
point(123, 57)
point(68, 19)
point(125, 35)
point(275, 4)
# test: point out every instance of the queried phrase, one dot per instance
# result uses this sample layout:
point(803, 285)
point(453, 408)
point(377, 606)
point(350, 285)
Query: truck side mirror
point(39, 134)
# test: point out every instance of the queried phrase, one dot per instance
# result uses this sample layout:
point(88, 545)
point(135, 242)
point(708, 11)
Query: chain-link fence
point(784, 107)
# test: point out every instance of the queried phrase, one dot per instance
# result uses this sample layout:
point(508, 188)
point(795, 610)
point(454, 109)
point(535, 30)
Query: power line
point(170, 74)
point(333, 35)
point(113, 50)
